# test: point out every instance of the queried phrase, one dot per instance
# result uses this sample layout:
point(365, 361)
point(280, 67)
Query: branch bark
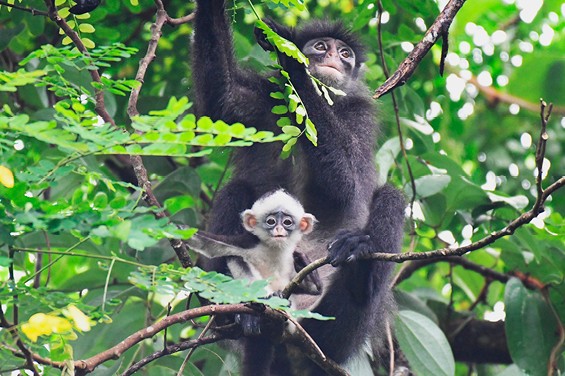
point(162, 18)
point(83, 367)
point(438, 29)
point(523, 219)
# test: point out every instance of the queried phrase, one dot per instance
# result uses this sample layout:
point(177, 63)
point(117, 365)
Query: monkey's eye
point(320, 46)
point(271, 221)
point(287, 222)
point(345, 53)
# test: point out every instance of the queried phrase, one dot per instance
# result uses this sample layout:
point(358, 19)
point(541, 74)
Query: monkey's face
point(278, 226)
point(331, 60)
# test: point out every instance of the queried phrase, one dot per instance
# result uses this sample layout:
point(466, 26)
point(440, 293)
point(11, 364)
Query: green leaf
point(284, 121)
point(424, 344)
point(386, 157)
point(517, 202)
point(5, 261)
point(283, 45)
point(279, 110)
point(289, 144)
point(311, 132)
point(88, 43)
point(529, 321)
point(86, 28)
point(428, 185)
point(291, 130)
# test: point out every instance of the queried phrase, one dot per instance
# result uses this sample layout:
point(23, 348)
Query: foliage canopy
point(87, 252)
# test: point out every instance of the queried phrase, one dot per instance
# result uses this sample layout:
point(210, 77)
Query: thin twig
point(494, 96)
point(202, 334)
point(312, 350)
point(397, 118)
point(540, 148)
point(171, 349)
point(100, 107)
point(33, 11)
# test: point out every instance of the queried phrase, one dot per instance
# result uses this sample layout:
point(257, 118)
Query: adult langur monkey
point(336, 181)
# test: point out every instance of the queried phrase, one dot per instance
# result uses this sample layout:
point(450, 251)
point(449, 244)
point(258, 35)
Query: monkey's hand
point(349, 246)
point(257, 325)
point(251, 325)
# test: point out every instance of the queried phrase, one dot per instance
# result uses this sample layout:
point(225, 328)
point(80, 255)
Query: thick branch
point(86, 366)
point(408, 66)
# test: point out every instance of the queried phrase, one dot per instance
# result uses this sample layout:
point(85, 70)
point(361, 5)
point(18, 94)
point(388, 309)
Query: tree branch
point(83, 367)
point(523, 219)
point(409, 65)
point(34, 12)
point(412, 267)
point(24, 351)
point(494, 96)
point(137, 163)
point(171, 349)
point(100, 107)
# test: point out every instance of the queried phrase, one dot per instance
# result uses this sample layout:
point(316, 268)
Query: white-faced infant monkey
point(278, 220)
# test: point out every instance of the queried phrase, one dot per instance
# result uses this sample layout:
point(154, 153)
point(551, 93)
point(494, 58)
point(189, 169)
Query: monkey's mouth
point(330, 66)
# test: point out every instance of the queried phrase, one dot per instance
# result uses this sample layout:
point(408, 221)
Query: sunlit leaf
point(6, 177)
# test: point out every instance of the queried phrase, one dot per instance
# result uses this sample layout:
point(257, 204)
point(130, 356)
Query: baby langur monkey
point(279, 222)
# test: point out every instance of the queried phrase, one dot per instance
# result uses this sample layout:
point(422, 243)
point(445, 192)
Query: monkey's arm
point(223, 90)
point(211, 246)
point(312, 284)
point(358, 294)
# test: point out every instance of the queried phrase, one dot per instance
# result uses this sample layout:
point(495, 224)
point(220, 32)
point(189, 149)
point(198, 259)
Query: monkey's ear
point(307, 223)
point(279, 29)
point(249, 220)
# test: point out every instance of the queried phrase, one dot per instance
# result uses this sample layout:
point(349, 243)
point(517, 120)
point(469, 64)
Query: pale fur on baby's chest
point(276, 265)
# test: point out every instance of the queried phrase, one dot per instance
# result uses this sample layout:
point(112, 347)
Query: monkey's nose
point(279, 231)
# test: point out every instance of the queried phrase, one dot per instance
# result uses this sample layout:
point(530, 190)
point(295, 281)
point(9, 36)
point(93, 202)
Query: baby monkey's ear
point(249, 220)
point(307, 223)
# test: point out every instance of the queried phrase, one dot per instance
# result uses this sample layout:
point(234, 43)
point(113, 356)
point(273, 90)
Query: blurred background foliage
point(470, 138)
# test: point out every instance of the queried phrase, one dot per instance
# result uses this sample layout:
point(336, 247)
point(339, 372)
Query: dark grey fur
point(335, 181)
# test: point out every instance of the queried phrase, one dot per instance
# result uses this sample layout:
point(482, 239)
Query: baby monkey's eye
point(287, 222)
point(271, 221)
